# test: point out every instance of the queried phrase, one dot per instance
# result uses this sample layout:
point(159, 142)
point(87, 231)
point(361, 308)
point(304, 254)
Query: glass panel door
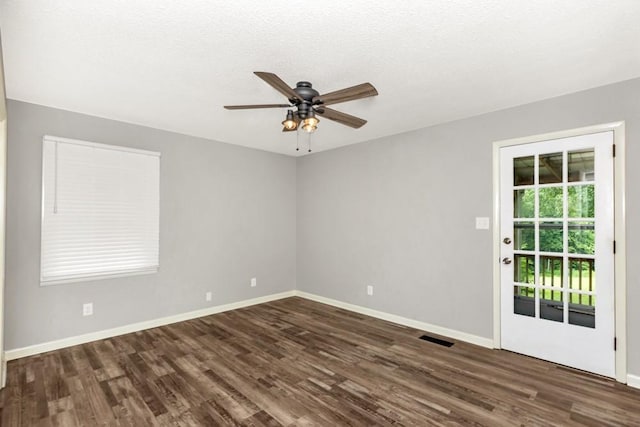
point(557, 225)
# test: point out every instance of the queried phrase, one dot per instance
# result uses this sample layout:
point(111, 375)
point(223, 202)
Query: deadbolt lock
point(507, 241)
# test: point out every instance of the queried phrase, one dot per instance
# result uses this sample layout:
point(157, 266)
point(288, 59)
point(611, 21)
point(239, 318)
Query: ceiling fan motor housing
point(306, 92)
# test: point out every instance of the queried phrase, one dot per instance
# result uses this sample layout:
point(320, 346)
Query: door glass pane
point(581, 165)
point(582, 310)
point(551, 305)
point(550, 200)
point(523, 203)
point(523, 171)
point(581, 199)
point(524, 268)
point(524, 236)
point(551, 271)
point(582, 237)
point(524, 301)
point(551, 236)
point(582, 274)
point(550, 168)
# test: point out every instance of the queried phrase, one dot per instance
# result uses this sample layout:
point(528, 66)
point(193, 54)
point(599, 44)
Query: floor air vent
point(436, 341)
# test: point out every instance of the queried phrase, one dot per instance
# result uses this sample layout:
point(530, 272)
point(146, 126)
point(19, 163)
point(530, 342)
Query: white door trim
point(618, 129)
point(3, 207)
point(3, 184)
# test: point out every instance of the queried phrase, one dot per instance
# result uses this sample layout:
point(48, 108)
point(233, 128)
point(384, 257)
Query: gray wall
point(399, 213)
point(227, 214)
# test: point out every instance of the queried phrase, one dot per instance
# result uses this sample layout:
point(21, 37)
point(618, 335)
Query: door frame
point(3, 192)
point(3, 207)
point(620, 271)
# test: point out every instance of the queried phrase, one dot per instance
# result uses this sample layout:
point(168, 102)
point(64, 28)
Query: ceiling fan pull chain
point(298, 140)
point(309, 142)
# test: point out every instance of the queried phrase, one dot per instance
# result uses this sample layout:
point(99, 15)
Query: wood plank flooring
point(297, 362)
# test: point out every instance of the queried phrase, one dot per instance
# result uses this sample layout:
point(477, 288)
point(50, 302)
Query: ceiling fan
point(305, 103)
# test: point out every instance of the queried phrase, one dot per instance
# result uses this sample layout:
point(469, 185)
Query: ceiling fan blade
point(363, 90)
point(278, 84)
point(342, 118)
point(247, 107)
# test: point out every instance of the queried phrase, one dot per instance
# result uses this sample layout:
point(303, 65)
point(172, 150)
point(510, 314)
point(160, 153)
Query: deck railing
point(581, 277)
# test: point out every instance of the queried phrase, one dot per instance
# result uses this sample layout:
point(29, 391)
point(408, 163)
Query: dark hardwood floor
point(297, 362)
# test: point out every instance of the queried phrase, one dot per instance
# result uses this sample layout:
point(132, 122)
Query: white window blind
point(100, 211)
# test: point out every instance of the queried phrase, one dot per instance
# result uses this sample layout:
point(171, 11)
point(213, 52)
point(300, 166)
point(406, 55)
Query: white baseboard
point(633, 381)
point(18, 353)
point(135, 327)
point(439, 330)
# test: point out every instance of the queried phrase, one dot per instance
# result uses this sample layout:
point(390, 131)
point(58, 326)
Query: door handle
point(506, 260)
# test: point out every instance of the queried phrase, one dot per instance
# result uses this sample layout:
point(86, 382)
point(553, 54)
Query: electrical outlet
point(369, 290)
point(254, 282)
point(87, 309)
point(207, 296)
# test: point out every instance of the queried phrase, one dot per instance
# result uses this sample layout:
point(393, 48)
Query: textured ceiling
point(174, 64)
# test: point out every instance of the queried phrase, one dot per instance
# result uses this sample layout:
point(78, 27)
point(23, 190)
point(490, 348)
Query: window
point(100, 211)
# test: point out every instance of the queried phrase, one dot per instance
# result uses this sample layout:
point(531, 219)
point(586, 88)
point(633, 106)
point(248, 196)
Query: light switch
point(482, 223)
point(87, 309)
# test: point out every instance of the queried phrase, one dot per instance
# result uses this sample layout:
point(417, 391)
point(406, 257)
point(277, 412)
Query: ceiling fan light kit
point(310, 124)
point(308, 102)
point(289, 123)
